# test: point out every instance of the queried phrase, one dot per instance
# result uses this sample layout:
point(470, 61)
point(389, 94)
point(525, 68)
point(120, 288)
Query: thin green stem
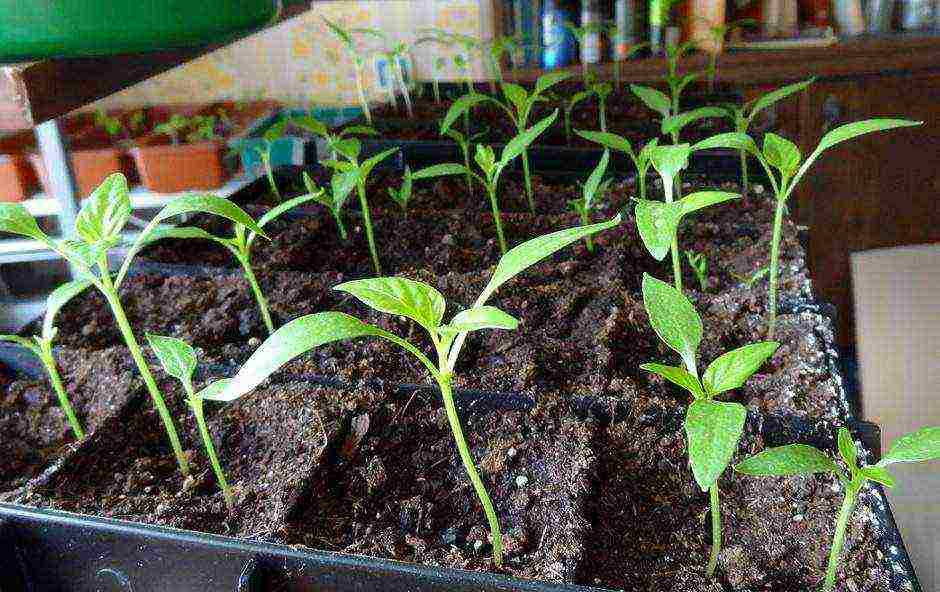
point(436, 85)
point(568, 126)
point(744, 176)
point(405, 95)
point(114, 301)
point(528, 180)
point(465, 148)
point(48, 361)
point(716, 529)
point(447, 394)
point(367, 220)
point(245, 262)
point(337, 215)
point(362, 95)
point(491, 191)
point(774, 268)
point(266, 159)
point(585, 221)
point(196, 405)
point(641, 180)
point(603, 115)
point(674, 248)
point(838, 540)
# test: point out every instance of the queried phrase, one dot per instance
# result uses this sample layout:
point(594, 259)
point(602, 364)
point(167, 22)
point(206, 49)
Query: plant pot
point(168, 168)
point(89, 166)
point(17, 178)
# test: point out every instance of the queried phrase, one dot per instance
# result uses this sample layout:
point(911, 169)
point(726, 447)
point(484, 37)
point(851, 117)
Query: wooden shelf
point(35, 92)
point(852, 57)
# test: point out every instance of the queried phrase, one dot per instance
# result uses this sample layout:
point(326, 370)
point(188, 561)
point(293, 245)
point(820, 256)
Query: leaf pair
point(658, 222)
point(713, 427)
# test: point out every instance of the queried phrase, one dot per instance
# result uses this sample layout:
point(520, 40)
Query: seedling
point(173, 127)
point(403, 195)
point(581, 34)
point(718, 33)
point(393, 54)
point(613, 33)
point(641, 160)
point(801, 459)
point(359, 62)
point(41, 346)
point(110, 124)
point(590, 191)
point(439, 38)
point(699, 264)
point(658, 222)
point(602, 90)
point(202, 128)
point(743, 116)
point(464, 144)
point(517, 104)
point(264, 149)
point(425, 306)
point(178, 359)
point(98, 227)
point(784, 156)
point(713, 428)
point(341, 185)
point(492, 168)
point(569, 106)
point(495, 50)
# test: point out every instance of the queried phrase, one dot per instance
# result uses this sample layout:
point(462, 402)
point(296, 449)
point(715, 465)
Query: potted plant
point(182, 153)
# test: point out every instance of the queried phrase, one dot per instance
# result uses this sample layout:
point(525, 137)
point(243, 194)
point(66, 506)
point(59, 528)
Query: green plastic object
point(38, 29)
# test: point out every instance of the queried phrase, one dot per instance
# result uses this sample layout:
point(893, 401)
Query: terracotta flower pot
point(90, 167)
point(17, 179)
point(171, 168)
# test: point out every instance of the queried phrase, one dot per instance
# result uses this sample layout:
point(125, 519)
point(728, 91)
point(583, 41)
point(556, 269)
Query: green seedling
point(110, 124)
point(602, 90)
point(341, 186)
point(202, 129)
point(492, 168)
point(581, 34)
point(359, 62)
point(658, 222)
point(98, 228)
point(425, 306)
point(173, 127)
point(517, 104)
point(439, 38)
point(642, 160)
point(801, 459)
point(590, 191)
point(785, 157)
point(569, 106)
point(699, 264)
point(402, 195)
point(464, 143)
point(744, 115)
point(393, 54)
point(719, 33)
point(268, 140)
point(713, 428)
point(41, 346)
point(178, 359)
point(495, 50)
point(628, 53)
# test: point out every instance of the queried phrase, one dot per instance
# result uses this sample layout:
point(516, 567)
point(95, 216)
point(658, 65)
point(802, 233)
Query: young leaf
point(781, 93)
point(311, 124)
point(342, 185)
point(657, 222)
point(703, 199)
point(461, 106)
point(678, 376)
point(295, 338)
point(400, 296)
point(731, 370)
point(652, 98)
point(924, 444)
point(516, 95)
point(782, 154)
point(177, 357)
point(858, 128)
point(56, 300)
point(879, 474)
point(671, 159)
point(713, 429)
point(546, 81)
point(675, 123)
point(847, 448)
point(105, 212)
point(793, 459)
point(485, 158)
point(608, 140)
point(480, 317)
point(16, 219)
point(735, 140)
point(594, 180)
point(370, 163)
point(439, 170)
point(519, 258)
point(519, 143)
point(276, 131)
point(673, 318)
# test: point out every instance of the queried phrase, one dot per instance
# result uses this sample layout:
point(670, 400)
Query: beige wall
point(300, 62)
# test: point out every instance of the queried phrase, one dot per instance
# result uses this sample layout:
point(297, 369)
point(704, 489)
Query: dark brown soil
point(34, 427)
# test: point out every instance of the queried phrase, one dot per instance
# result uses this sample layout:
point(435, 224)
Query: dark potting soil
point(651, 522)
point(34, 427)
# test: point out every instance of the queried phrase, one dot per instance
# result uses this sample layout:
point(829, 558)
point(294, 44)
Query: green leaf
point(439, 170)
point(678, 376)
point(792, 459)
point(879, 474)
point(177, 357)
point(550, 79)
point(342, 185)
point(686, 81)
point(350, 148)
point(608, 140)
point(16, 219)
point(730, 370)
point(293, 339)
point(594, 180)
point(578, 97)
point(675, 123)
point(311, 124)
point(782, 154)
point(461, 106)
point(22, 341)
point(399, 296)
point(922, 445)
point(485, 158)
point(276, 131)
point(657, 222)
point(858, 128)
point(703, 199)
point(523, 256)
point(670, 160)
point(207, 204)
point(781, 93)
point(358, 130)
point(652, 98)
point(365, 169)
point(519, 143)
point(286, 206)
point(56, 300)
point(673, 318)
point(105, 212)
point(516, 95)
point(735, 140)
point(847, 448)
point(182, 232)
point(714, 429)
point(480, 317)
